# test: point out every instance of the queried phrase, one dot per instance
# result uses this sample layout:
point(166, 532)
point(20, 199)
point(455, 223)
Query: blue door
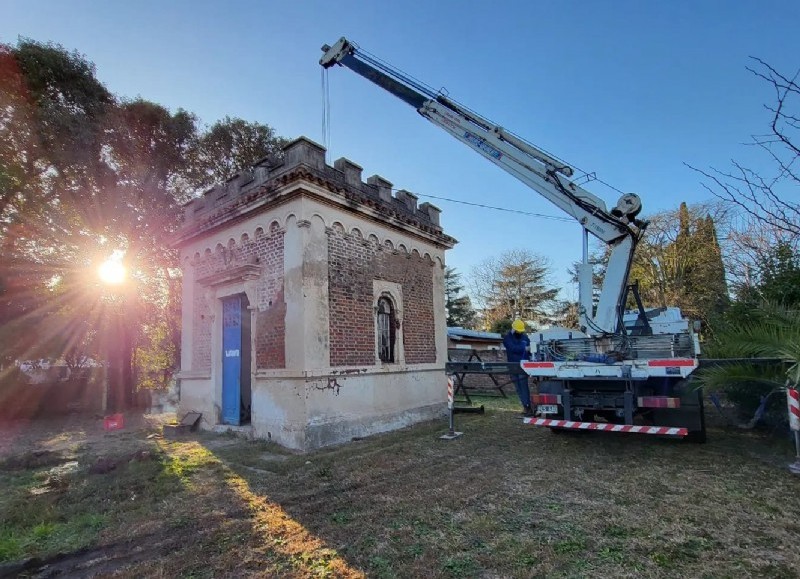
point(231, 359)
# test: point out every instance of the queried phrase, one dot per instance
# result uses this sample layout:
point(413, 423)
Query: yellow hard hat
point(518, 326)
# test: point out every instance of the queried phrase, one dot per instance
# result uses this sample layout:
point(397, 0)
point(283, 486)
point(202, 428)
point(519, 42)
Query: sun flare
point(112, 272)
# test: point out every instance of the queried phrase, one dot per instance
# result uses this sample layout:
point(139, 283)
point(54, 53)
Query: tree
point(83, 175)
point(501, 326)
point(149, 147)
point(514, 285)
point(779, 276)
point(459, 307)
point(775, 279)
point(746, 246)
point(51, 129)
point(567, 314)
point(706, 280)
point(763, 320)
point(229, 146)
point(678, 262)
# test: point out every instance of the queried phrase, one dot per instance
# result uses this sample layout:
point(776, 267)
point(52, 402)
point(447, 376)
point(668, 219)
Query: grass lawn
point(504, 500)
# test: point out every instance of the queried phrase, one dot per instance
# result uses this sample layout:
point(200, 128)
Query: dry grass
point(505, 500)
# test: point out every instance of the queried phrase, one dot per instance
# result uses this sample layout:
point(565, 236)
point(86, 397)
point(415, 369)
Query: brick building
point(313, 303)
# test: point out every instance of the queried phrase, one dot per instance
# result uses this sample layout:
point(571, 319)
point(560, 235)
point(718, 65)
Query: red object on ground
point(114, 422)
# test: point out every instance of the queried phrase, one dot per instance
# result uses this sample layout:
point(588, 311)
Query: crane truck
point(622, 371)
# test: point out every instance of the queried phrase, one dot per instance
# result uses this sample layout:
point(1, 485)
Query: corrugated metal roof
point(460, 334)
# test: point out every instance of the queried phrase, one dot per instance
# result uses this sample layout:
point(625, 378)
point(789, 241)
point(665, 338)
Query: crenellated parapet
point(303, 171)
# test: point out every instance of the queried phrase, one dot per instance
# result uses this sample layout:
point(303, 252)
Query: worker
point(518, 348)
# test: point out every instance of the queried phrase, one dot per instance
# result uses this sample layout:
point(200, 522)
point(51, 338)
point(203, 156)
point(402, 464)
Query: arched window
point(386, 330)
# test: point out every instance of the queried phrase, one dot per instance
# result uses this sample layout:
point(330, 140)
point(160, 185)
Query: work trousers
point(523, 391)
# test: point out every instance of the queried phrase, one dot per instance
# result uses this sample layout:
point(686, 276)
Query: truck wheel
point(567, 431)
point(696, 436)
point(699, 436)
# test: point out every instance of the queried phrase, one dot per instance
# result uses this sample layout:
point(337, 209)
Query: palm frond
point(774, 334)
point(719, 377)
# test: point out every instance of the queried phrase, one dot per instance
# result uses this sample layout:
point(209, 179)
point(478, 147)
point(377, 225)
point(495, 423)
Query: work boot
point(528, 412)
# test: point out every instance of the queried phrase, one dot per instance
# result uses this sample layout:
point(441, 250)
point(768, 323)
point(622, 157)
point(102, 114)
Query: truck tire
point(567, 431)
point(699, 436)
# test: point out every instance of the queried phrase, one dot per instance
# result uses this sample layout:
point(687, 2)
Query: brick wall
point(353, 265)
point(270, 332)
point(270, 324)
point(415, 275)
point(350, 274)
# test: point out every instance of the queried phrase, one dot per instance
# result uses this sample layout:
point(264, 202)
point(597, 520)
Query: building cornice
point(304, 173)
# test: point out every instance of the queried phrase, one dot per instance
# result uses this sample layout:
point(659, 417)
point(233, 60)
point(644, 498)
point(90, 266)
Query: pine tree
point(779, 275)
point(515, 285)
point(459, 307)
point(707, 284)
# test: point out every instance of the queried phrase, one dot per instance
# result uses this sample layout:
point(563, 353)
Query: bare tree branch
point(767, 199)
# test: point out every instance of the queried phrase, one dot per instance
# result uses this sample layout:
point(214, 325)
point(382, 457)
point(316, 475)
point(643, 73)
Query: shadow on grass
point(148, 507)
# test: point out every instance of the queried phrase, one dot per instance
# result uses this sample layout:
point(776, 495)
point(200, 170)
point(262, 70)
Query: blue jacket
point(516, 346)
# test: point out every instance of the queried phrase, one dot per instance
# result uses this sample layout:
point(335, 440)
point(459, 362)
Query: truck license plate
point(547, 409)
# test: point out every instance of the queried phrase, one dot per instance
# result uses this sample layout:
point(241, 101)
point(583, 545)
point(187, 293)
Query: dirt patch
point(32, 460)
point(65, 434)
point(92, 562)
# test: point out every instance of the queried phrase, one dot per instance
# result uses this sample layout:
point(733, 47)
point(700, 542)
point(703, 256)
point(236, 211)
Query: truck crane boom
point(620, 378)
point(542, 172)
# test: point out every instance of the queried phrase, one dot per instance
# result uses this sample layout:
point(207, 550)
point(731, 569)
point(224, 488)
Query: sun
point(112, 272)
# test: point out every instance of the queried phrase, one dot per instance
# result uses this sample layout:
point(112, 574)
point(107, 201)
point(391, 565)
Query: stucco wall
point(315, 411)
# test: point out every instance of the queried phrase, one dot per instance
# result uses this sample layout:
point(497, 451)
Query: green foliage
point(771, 332)
point(229, 146)
point(515, 285)
point(69, 103)
point(459, 307)
point(776, 281)
point(461, 565)
point(501, 327)
point(780, 275)
point(155, 356)
point(679, 263)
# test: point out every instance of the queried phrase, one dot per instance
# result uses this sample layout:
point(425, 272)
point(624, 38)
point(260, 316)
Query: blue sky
point(631, 90)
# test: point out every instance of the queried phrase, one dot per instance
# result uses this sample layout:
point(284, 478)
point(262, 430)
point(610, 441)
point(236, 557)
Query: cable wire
point(422, 87)
point(519, 211)
point(326, 113)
